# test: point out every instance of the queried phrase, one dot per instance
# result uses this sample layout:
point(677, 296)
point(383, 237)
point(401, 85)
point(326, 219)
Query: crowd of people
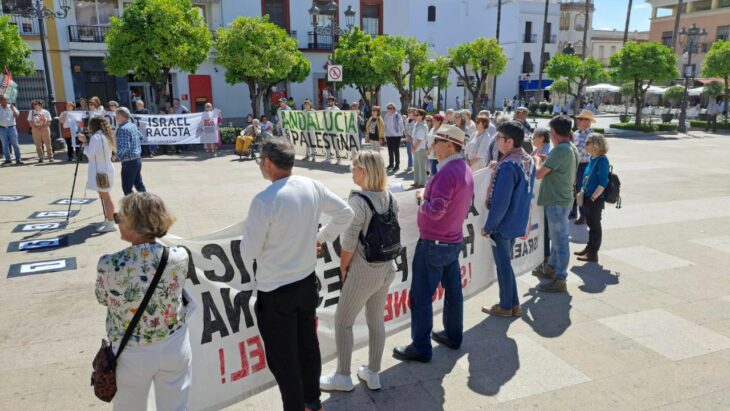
point(283, 236)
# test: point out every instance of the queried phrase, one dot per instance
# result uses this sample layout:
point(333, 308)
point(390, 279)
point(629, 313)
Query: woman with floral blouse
point(159, 348)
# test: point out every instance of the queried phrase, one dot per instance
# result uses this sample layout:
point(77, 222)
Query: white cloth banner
point(166, 129)
point(229, 362)
point(324, 131)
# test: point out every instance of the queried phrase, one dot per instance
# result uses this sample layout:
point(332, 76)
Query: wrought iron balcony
point(316, 41)
point(87, 34)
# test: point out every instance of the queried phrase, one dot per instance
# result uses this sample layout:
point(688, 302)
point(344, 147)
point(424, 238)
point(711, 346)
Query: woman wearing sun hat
point(584, 120)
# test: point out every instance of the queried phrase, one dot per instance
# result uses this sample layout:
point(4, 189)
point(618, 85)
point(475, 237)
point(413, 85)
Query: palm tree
point(628, 19)
point(586, 28)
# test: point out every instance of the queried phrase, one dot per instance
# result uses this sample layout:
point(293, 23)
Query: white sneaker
point(339, 161)
point(336, 382)
point(371, 379)
point(106, 227)
point(326, 158)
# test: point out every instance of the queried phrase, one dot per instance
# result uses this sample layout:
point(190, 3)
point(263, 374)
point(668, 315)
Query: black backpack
point(382, 240)
point(612, 192)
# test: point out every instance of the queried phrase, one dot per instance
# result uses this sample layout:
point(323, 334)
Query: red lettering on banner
point(396, 304)
point(466, 271)
point(401, 300)
point(255, 351)
point(438, 294)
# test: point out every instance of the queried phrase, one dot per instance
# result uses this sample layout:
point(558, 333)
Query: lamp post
point(690, 37)
point(39, 11)
point(333, 29)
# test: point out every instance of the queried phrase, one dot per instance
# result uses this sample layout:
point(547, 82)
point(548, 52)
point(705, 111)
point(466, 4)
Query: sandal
point(497, 310)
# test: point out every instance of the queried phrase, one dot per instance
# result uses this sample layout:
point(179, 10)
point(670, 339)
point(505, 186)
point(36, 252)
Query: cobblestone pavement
point(648, 327)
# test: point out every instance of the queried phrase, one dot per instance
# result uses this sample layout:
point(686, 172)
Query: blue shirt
point(129, 142)
point(596, 175)
point(509, 213)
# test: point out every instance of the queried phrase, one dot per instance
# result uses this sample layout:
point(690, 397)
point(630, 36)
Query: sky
point(611, 14)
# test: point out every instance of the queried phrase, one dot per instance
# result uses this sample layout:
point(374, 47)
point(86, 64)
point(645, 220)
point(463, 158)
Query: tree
point(477, 60)
point(398, 58)
point(717, 64)
point(713, 89)
point(259, 53)
point(155, 36)
point(578, 73)
point(355, 53)
point(560, 88)
point(437, 68)
point(628, 93)
point(14, 52)
point(643, 64)
point(673, 95)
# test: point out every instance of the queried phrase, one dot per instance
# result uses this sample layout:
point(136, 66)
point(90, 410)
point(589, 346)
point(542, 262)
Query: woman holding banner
point(209, 135)
point(365, 283)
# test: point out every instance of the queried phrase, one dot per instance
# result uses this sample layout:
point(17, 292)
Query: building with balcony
point(572, 25)
point(606, 43)
point(711, 15)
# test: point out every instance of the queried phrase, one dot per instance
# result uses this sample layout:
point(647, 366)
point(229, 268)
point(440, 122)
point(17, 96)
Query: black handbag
point(103, 378)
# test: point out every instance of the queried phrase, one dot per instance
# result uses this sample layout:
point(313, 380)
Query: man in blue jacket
point(508, 199)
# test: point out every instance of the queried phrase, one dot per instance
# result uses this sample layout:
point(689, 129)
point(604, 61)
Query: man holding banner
point(281, 235)
point(443, 208)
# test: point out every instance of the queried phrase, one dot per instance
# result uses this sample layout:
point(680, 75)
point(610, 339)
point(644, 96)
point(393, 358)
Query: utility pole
point(585, 29)
point(676, 25)
point(542, 52)
point(628, 19)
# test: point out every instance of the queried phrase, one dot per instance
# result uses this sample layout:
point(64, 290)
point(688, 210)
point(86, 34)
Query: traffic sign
point(334, 72)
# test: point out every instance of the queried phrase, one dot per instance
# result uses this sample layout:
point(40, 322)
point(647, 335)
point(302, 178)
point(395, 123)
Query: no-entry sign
point(334, 73)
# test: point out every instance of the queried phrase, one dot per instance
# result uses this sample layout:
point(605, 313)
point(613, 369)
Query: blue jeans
point(132, 176)
point(502, 251)
point(409, 146)
point(9, 137)
point(557, 217)
point(434, 163)
point(434, 263)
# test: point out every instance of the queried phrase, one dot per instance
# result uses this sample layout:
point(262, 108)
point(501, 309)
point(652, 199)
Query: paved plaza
point(648, 327)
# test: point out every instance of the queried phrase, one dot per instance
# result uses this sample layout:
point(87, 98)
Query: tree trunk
point(639, 100)
point(727, 96)
point(254, 95)
point(405, 101)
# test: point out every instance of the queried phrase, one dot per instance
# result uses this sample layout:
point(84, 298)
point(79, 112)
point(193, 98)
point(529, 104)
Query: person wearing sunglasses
point(583, 121)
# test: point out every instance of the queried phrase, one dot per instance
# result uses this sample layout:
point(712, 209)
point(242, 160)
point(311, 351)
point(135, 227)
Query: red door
point(201, 91)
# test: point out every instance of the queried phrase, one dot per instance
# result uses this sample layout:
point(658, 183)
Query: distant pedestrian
point(713, 109)
point(394, 129)
point(112, 105)
point(281, 234)
point(478, 146)
point(449, 116)
point(420, 137)
point(365, 284)
point(40, 122)
point(311, 150)
point(129, 152)
point(556, 195)
point(71, 125)
point(330, 141)
point(375, 129)
point(594, 183)
point(209, 136)
point(8, 131)
point(410, 122)
point(509, 197)
point(99, 149)
point(443, 207)
point(95, 105)
point(159, 346)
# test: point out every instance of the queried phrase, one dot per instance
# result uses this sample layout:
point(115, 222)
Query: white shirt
point(99, 152)
point(7, 115)
point(32, 115)
point(420, 134)
point(281, 229)
point(332, 108)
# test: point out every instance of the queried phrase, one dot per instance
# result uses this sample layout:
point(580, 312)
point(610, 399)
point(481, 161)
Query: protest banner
point(325, 131)
point(162, 129)
point(229, 361)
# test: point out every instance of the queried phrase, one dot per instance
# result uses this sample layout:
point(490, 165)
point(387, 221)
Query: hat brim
point(593, 120)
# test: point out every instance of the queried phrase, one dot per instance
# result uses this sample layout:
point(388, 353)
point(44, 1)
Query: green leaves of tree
point(14, 52)
point(479, 59)
point(355, 52)
point(717, 64)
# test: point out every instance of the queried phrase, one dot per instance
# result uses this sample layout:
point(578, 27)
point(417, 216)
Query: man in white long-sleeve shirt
point(281, 235)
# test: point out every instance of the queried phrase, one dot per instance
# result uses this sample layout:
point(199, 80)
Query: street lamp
point(38, 10)
point(690, 37)
point(333, 29)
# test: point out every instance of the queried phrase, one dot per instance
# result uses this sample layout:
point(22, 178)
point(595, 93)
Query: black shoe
point(589, 257)
point(555, 286)
point(580, 221)
point(581, 252)
point(441, 338)
point(572, 215)
point(19, 163)
point(408, 353)
point(395, 168)
point(389, 168)
point(7, 162)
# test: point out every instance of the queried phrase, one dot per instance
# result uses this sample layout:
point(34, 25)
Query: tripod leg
point(103, 207)
point(73, 188)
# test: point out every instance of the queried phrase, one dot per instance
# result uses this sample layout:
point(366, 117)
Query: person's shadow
point(548, 314)
point(595, 278)
point(492, 361)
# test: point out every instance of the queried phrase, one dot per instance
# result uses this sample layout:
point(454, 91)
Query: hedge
point(229, 134)
point(644, 127)
point(703, 124)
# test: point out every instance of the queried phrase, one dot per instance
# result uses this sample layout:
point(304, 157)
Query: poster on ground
point(324, 131)
point(229, 361)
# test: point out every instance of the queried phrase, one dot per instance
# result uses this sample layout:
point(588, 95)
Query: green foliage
point(560, 87)
point(627, 89)
point(643, 64)
point(721, 125)
point(480, 58)
point(14, 52)
point(229, 134)
point(398, 59)
point(717, 64)
point(713, 89)
point(543, 107)
point(673, 95)
point(430, 69)
point(154, 36)
point(644, 127)
point(354, 52)
point(598, 130)
point(259, 53)
point(576, 72)
point(533, 108)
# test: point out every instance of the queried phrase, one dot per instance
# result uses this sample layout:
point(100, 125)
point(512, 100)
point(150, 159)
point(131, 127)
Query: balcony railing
point(319, 41)
point(530, 38)
point(87, 34)
point(26, 26)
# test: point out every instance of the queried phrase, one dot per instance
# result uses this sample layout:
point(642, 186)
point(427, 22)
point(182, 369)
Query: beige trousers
point(42, 136)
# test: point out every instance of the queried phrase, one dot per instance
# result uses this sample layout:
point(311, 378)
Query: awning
point(528, 85)
point(705, 81)
point(603, 88)
point(656, 90)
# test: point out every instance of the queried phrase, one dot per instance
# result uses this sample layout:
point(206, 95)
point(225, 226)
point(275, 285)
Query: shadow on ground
point(595, 277)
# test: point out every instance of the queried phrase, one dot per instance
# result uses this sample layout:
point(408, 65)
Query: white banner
point(229, 362)
point(166, 129)
point(325, 131)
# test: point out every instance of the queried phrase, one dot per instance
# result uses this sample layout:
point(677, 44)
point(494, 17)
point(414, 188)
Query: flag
point(8, 87)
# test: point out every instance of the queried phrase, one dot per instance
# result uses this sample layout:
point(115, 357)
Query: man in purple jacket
point(443, 209)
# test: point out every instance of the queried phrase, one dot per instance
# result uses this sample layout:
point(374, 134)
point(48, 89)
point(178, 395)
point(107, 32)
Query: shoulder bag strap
point(361, 236)
point(143, 305)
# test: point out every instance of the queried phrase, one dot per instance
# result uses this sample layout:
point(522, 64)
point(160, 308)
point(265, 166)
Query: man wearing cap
point(282, 107)
point(443, 208)
point(331, 106)
point(584, 121)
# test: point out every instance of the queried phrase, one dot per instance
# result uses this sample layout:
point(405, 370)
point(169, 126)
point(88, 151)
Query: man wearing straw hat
point(583, 121)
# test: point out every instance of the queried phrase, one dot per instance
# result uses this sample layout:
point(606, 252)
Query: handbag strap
point(143, 305)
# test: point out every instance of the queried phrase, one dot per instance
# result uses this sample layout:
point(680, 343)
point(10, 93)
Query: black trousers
point(579, 173)
point(593, 212)
point(393, 151)
point(287, 321)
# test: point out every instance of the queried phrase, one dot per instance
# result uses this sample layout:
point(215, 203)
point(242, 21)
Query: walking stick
point(73, 188)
